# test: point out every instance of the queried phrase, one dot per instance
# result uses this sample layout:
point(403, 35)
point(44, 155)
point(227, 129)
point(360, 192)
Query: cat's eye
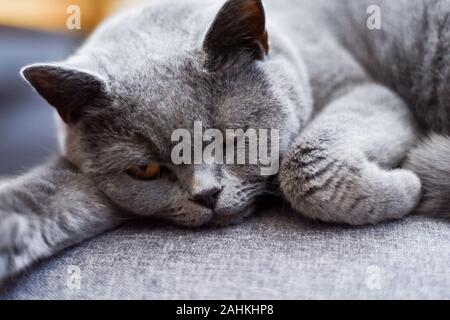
point(148, 172)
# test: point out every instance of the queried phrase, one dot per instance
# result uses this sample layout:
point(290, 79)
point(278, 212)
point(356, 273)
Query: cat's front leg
point(343, 167)
point(47, 210)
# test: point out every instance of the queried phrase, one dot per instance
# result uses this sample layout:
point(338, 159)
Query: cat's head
point(120, 100)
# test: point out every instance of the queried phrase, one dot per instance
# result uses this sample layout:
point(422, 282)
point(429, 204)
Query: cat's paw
point(12, 229)
point(335, 186)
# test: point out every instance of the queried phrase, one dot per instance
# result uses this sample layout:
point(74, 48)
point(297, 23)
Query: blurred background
point(37, 31)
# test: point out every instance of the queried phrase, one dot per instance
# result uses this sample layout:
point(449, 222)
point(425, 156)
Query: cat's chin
point(225, 219)
point(214, 219)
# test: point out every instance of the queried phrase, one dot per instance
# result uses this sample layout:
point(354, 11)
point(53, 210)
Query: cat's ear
point(239, 26)
point(69, 90)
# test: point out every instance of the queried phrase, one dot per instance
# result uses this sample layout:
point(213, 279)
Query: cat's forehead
point(178, 91)
point(151, 102)
point(170, 92)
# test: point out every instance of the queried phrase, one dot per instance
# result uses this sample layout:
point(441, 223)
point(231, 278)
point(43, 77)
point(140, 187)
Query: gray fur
point(431, 161)
point(339, 168)
point(344, 98)
point(48, 209)
point(410, 55)
point(166, 86)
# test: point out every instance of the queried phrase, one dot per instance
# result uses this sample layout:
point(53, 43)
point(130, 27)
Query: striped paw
point(340, 185)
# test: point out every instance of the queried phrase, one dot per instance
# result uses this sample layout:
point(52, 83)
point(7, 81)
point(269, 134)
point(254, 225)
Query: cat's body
point(343, 97)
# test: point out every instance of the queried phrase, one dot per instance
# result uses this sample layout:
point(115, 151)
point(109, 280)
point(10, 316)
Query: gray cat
point(354, 107)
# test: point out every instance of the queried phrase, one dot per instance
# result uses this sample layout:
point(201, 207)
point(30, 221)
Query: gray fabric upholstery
point(270, 256)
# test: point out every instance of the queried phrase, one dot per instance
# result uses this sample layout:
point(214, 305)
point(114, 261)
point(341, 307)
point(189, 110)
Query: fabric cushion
point(271, 256)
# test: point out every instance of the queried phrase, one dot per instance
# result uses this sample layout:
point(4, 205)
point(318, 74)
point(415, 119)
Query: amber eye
point(147, 172)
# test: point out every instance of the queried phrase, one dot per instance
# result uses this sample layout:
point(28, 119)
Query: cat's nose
point(207, 197)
